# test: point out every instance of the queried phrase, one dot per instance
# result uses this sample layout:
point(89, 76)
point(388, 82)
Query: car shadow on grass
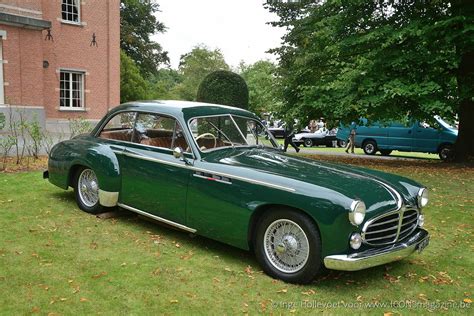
point(328, 279)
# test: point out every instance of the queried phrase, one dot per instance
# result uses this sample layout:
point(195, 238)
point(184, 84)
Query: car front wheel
point(86, 190)
point(288, 246)
point(370, 147)
point(446, 153)
point(308, 143)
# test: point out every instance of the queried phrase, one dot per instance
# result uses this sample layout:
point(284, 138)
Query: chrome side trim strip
point(211, 179)
point(160, 219)
point(233, 177)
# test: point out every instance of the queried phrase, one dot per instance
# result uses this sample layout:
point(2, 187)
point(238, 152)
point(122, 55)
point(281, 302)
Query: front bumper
point(379, 256)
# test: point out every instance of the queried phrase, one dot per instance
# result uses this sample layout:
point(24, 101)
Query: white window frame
point(82, 94)
point(3, 35)
point(78, 4)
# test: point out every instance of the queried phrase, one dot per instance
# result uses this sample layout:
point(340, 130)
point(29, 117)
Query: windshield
point(212, 132)
point(444, 123)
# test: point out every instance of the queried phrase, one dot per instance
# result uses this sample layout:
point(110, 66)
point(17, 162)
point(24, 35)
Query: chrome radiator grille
point(390, 228)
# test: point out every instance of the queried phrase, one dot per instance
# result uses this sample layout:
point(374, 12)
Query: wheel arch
point(442, 145)
point(105, 164)
point(367, 139)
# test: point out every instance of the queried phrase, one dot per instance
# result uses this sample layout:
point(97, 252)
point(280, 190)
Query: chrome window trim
point(101, 128)
point(233, 177)
point(160, 219)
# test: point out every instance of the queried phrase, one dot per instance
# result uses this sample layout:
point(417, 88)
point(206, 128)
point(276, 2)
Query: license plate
point(422, 245)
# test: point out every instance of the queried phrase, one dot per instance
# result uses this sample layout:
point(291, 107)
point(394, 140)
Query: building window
point(71, 10)
point(71, 90)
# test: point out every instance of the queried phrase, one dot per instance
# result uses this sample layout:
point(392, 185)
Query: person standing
point(352, 136)
point(289, 133)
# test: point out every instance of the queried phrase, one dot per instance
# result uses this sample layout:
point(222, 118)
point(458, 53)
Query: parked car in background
point(321, 137)
point(277, 132)
point(216, 171)
point(413, 137)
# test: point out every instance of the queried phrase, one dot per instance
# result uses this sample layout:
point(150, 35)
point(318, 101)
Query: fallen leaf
point(467, 300)
point(83, 299)
point(282, 291)
point(173, 301)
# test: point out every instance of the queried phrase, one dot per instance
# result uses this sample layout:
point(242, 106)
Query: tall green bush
point(224, 87)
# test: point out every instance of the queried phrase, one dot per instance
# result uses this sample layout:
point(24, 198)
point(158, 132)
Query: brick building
point(59, 59)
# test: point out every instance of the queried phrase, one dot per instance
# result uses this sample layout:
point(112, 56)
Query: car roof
point(185, 109)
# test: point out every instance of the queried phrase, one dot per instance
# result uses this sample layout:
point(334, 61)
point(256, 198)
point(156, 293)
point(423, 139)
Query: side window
point(158, 131)
point(120, 127)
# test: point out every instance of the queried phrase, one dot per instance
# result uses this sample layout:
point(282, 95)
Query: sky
point(237, 27)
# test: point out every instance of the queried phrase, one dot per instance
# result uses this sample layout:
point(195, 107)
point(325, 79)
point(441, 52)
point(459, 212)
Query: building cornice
point(24, 22)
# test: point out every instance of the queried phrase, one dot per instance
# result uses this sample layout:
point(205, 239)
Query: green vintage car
point(216, 171)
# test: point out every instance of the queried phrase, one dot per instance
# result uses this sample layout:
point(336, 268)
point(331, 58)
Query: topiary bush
point(224, 87)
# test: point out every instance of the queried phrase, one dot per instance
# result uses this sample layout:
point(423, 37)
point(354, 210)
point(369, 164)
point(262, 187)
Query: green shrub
point(224, 87)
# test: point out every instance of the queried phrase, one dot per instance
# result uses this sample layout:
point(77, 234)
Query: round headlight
point(355, 241)
point(357, 213)
point(422, 197)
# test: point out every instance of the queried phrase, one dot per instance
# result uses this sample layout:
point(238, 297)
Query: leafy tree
point(224, 87)
point(137, 23)
point(196, 65)
point(381, 59)
point(263, 85)
point(162, 84)
point(132, 85)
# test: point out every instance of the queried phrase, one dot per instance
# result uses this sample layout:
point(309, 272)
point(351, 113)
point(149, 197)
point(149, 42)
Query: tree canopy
point(137, 24)
point(132, 85)
point(263, 85)
point(224, 87)
point(382, 60)
point(196, 65)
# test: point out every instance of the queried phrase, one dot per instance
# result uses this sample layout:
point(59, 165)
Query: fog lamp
point(355, 241)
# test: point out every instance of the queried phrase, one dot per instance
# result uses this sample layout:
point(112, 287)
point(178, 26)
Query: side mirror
point(178, 153)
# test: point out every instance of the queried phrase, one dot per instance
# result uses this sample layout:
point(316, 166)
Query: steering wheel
point(208, 134)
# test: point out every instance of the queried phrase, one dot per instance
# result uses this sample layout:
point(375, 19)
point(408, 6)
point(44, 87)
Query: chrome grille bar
point(391, 227)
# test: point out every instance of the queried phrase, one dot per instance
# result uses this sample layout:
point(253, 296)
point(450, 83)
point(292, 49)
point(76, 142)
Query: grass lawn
point(55, 259)
point(395, 153)
point(359, 151)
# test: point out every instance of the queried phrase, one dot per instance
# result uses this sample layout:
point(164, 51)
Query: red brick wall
point(23, 73)
point(31, 84)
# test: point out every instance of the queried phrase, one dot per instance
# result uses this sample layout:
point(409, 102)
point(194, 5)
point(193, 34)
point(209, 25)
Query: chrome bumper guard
point(379, 256)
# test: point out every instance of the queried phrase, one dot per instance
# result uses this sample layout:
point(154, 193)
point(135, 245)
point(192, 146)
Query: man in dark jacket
point(289, 133)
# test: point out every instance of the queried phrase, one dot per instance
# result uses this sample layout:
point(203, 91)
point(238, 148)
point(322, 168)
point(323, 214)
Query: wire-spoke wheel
point(288, 246)
point(87, 190)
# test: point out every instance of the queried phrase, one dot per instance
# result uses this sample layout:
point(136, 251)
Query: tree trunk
point(464, 147)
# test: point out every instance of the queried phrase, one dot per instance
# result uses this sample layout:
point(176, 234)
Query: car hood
point(377, 189)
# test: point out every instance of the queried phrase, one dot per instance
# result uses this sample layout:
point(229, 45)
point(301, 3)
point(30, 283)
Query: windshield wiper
point(220, 131)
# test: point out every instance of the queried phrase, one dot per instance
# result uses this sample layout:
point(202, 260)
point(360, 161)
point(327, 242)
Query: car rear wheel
point(308, 142)
point(86, 190)
point(446, 152)
point(369, 147)
point(385, 152)
point(288, 247)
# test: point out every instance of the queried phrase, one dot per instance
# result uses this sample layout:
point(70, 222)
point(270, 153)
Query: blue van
point(417, 136)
